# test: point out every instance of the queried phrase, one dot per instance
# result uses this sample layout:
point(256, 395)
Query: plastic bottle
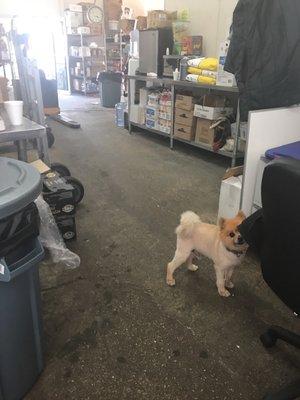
point(120, 118)
point(176, 75)
point(183, 68)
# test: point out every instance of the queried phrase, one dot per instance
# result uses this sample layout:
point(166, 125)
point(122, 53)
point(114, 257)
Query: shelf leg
point(129, 106)
point(172, 117)
point(237, 137)
point(22, 150)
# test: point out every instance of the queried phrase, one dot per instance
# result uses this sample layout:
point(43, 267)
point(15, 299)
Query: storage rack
point(6, 63)
point(91, 62)
point(185, 85)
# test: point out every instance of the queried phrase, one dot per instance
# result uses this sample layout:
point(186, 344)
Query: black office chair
point(274, 232)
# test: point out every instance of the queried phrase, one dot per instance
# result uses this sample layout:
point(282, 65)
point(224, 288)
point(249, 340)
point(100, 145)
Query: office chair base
point(270, 337)
point(290, 392)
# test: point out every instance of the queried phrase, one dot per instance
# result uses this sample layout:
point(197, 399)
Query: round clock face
point(95, 14)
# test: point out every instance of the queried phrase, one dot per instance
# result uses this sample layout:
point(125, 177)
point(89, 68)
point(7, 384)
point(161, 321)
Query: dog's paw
point(193, 267)
point(224, 293)
point(170, 281)
point(229, 285)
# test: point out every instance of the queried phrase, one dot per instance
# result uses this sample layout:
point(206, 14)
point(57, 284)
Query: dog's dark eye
point(232, 234)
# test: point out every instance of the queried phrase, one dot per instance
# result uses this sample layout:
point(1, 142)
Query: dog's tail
point(187, 224)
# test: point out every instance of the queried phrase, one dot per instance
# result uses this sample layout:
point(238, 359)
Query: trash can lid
point(20, 184)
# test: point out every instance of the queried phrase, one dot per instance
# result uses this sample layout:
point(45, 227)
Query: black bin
point(110, 88)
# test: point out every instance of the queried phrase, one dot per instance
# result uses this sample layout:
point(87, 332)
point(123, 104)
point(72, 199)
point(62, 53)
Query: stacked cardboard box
point(165, 112)
point(212, 108)
point(184, 118)
point(160, 19)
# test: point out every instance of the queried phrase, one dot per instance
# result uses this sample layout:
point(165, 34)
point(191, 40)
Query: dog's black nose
point(241, 240)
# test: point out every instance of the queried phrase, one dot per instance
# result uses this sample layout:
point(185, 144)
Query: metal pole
point(129, 106)
point(237, 137)
point(172, 117)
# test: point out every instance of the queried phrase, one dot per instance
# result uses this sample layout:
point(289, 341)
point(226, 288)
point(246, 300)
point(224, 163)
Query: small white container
point(176, 75)
point(14, 110)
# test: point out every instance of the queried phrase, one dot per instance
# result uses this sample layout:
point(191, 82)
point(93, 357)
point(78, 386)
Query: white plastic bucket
point(14, 110)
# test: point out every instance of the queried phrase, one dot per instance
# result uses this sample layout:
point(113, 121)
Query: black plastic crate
point(67, 227)
point(59, 195)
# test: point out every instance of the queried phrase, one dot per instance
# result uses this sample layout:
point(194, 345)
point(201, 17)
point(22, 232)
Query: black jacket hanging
point(264, 53)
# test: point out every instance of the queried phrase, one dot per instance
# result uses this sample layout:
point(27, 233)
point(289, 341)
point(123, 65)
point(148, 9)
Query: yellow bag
point(204, 72)
point(207, 80)
point(210, 64)
point(194, 71)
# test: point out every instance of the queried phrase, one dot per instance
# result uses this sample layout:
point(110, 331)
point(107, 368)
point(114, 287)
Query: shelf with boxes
point(154, 112)
point(86, 47)
point(200, 115)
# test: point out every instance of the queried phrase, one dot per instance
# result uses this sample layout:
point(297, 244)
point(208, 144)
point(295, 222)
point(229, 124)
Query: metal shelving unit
point(188, 86)
point(87, 63)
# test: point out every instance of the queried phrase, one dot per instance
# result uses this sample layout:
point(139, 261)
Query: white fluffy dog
point(223, 244)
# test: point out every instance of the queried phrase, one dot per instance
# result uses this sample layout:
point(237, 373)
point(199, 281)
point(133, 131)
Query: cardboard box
point(164, 126)
point(151, 123)
point(165, 112)
point(113, 9)
point(203, 132)
point(184, 132)
point(160, 19)
point(184, 102)
point(213, 107)
point(230, 195)
point(184, 117)
point(127, 25)
point(141, 24)
point(152, 112)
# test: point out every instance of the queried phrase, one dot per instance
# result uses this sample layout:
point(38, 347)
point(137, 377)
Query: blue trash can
point(21, 355)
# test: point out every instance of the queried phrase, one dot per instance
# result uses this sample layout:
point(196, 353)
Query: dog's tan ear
point(222, 223)
point(241, 214)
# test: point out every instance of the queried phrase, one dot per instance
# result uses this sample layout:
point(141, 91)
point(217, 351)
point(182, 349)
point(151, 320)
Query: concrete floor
point(113, 329)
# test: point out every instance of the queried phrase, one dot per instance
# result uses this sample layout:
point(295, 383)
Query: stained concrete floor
point(113, 329)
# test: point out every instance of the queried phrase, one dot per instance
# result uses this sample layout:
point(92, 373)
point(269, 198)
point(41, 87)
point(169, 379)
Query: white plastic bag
point(51, 238)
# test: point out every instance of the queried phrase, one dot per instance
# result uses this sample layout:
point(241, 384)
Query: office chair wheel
point(268, 339)
point(61, 169)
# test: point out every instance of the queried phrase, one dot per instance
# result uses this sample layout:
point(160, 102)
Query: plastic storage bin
point(110, 88)
point(21, 359)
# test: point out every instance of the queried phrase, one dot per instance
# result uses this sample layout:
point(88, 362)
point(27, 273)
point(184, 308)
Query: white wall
point(210, 18)
point(51, 8)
